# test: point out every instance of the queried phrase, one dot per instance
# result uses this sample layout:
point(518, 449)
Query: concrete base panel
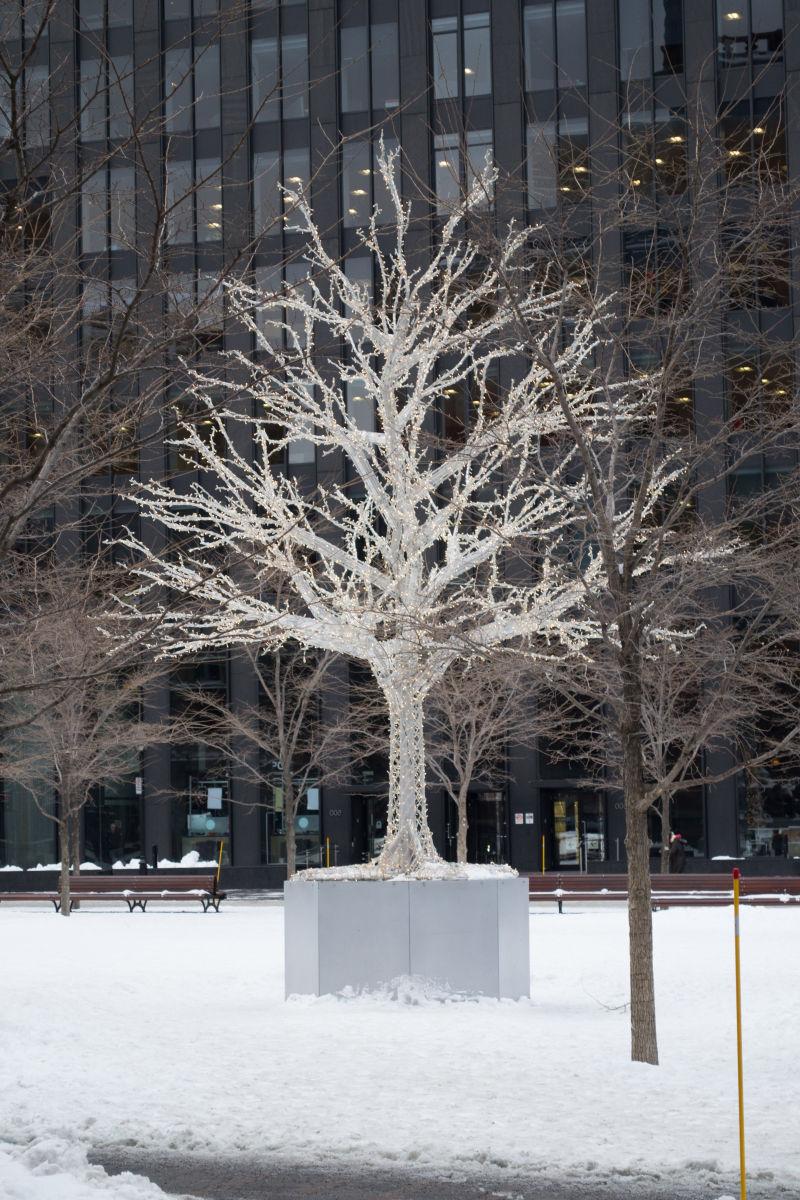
point(468, 936)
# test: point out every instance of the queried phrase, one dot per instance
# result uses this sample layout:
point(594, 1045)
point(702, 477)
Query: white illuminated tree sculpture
point(403, 561)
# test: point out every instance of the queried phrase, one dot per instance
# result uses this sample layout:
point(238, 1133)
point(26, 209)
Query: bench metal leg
point(560, 903)
point(56, 905)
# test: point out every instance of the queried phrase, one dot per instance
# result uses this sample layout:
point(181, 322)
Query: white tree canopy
point(405, 558)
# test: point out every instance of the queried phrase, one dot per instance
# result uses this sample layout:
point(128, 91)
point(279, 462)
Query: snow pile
point(51, 1168)
point(99, 1048)
point(10, 868)
point(432, 870)
point(192, 859)
point(87, 866)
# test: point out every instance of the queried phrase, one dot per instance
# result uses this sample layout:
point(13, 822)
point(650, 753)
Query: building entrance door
point(368, 830)
point(578, 824)
point(487, 827)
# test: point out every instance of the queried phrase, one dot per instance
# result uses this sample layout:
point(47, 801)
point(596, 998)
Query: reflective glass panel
point(354, 79)
point(445, 57)
point(477, 55)
point(571, 43)
point(540, 51)
point(385, 66)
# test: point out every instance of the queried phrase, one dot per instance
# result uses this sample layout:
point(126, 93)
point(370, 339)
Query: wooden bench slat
point(135, 890)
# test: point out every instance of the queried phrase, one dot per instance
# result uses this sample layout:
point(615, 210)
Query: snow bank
point(10, 868)
point(87, 866)
point(51, 1168)
point(111, 1055)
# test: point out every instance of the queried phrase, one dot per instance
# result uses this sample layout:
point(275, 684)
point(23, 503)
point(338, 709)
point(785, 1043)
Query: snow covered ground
point(113, 1025)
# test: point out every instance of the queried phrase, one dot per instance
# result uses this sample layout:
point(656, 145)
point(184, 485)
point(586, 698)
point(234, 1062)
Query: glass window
point(667, 36)
point(180, 185)
point(296, 171)
point(294, 74)
point(267, 204)
point(207, 87)
point(445, 57)
point(359, 270)
point(120, 96)
point(769, 811)
point(302, 451)
point(95, 14)
point(356, 184)
point(767, 17)
point(94, 205)
point(264, 70)
point(208, 198)
point(385, 66)
point(733, 26)
point(571, 43)
point(479, 154)
point(381, 198)
point(178, 90)
point(447, 169)
point(37, 104)
point(93, 100)
point(540, 48)
point(542, 165)
point(477, 55)
point(354, 78)
point(122, 196)
point(270, 284)
point(296, 275)
point(634, 39)
point(360, 407)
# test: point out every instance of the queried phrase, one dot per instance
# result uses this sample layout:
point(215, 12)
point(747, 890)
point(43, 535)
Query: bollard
point(543, 854)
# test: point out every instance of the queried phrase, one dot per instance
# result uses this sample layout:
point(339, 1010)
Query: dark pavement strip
point(208, 1178)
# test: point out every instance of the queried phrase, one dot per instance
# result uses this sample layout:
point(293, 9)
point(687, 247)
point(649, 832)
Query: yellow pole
point(219, 864)
point(739, 1064)
point(543, 854)
point(327, 851)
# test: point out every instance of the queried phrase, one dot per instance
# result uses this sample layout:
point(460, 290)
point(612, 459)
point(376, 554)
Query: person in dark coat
point(677, 854)
point(779, 843)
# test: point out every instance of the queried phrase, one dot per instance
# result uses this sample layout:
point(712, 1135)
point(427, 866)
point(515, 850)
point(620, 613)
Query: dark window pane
point(571, 42)
point(208, 200)
point(477, 55)
point(294, 75)
point(381, 198)
point(122, 196)
point(178, 90)
point(120, 97)
point(356, 184)
point(539, 47)
point(667, 36)
point(634, 39)
point(447, 168)
point(767, 30)
point(264, 71)
point(733, 29)
point(385, 66)
point(445, 58)
point(296, 170)
point(355, 69)
point(541, 165)
point(93, 100)
point(207, 87)
point(479, 155)
point(267, 203)
point(180, 183)
point(94, 205)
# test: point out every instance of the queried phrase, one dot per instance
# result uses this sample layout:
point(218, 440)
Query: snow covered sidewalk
point(169, 1031)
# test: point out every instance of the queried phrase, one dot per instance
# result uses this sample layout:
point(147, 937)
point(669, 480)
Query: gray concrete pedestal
point(468, 936)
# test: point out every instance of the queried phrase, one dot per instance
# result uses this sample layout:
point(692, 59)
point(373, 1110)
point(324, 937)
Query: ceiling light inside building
point(295, 179)
point(359, 192)
point(676, 139)
point(759, 129)
point(365, 171)
point(733, 16)
point(468, 71)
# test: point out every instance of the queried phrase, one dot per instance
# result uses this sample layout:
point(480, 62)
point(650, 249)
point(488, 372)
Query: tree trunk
point(64, 839)
point(666, 831)
point(461, 844)
point(289, 813)
point(75, 849)
point(644, 1044)
point(408, 843)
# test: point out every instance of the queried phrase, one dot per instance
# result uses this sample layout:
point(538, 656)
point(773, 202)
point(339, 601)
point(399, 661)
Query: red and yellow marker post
point(739, 1061)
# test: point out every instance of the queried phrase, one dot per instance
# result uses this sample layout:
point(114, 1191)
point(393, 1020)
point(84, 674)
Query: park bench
point(667, 890)
point(137, 891)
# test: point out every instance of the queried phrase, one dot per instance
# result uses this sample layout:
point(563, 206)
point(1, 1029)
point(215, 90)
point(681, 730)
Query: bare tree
point(89, 733)
point(476, 715)
point(692, 227)
point(301, 734)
